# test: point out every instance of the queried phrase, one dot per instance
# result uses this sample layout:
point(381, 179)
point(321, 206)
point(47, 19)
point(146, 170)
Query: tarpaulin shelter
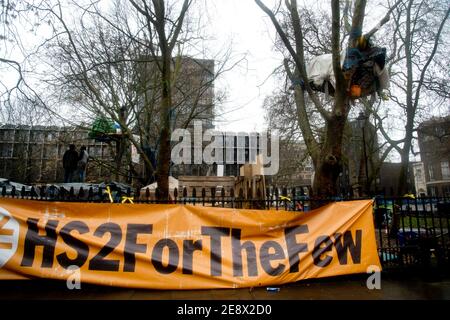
point(363, 66)
point(104, 130)
point(173, 183)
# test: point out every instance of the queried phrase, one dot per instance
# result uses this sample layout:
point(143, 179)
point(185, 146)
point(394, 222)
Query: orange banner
point(183, 246)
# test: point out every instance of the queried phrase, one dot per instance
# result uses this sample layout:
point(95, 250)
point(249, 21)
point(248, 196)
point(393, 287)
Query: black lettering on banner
point(216, 247)
point(293, 247)
point(266, 257)
point(174, 256)
point(236, 248)
point(33, 239)
point(99, 262)
point(319, 250)
point(79, 246)
point(131, 247)
point(348, 244)
point(189, 246)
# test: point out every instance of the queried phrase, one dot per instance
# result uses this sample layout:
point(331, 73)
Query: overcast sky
point(251, 32)
point(241, 23)
point(245, 25)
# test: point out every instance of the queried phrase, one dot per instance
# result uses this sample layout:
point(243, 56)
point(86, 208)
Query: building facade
point(34, 154)
point(420, 182)
point(389, 173)
point(360, 159)
point(296, 169)
point(193, 99)
point(434, 144)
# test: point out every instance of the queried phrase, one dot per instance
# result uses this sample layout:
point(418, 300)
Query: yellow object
point(362, 43)
point(285, 198)
point(383, 96)
point(108, 191)
point(125, 199)
point(355, 91)
point(409, 195)
point(174, 246)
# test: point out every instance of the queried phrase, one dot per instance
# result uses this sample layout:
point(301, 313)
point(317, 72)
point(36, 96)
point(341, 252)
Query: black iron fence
point(272, 198)
point(413, 232)
point(410, 232)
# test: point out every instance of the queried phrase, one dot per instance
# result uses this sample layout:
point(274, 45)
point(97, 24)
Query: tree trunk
point(166, 44)
point(402, 186)
point(163, 162)
point(328, 164)
point(163, 165)
point(118, 159)
point(325, 179)
point(327, 156)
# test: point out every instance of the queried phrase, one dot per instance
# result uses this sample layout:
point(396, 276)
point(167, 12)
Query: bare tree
point(163, 26)
point(418, 66)
point(111, 64)
point(23, 27)
point(281, 115)
point(326, 153)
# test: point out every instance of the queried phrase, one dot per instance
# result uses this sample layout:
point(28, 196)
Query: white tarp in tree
point(320, 69)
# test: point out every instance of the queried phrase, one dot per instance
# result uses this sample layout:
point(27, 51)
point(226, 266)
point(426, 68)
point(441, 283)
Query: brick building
point(34, 154)
point(434, 144)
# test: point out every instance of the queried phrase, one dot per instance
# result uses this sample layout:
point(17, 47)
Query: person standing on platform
point(70, 161)
point(82, 163)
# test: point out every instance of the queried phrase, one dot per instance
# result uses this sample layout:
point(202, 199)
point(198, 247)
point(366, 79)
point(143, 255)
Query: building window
point(446, 191)
point(432, 191)
point(419, 175)
point(445, 170)
point(431, 172)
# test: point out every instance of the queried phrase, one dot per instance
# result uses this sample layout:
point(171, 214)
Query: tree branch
point(430, 58)
point(297, 56)
point(179, 24)
point(383, 21)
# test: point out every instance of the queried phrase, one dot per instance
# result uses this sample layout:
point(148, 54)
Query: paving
point(393, 287)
